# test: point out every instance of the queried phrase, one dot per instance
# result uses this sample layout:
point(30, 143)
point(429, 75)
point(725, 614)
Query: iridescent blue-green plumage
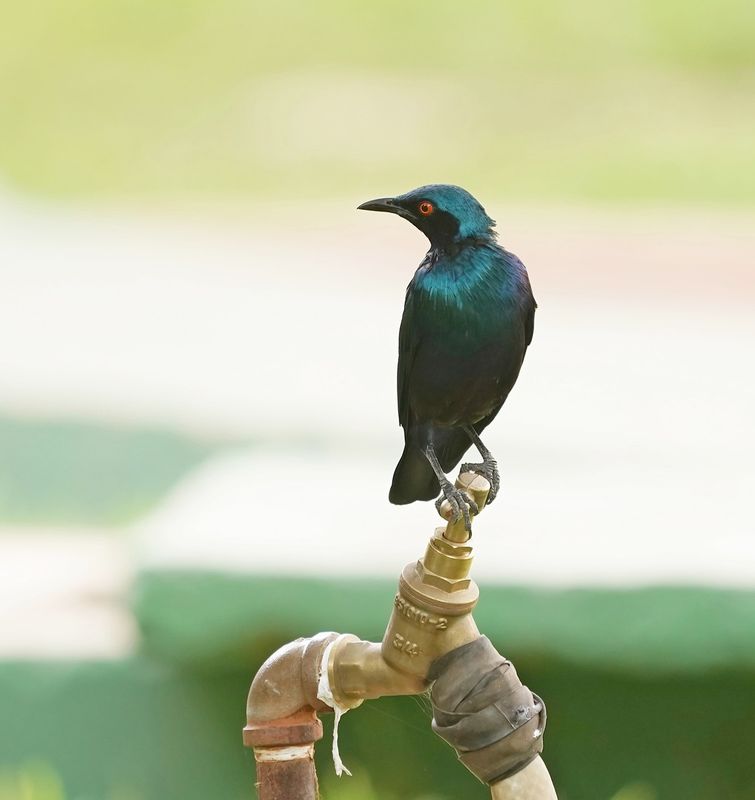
point(468, 319)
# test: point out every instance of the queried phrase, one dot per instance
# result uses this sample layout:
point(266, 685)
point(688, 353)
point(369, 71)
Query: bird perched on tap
point(468, 319)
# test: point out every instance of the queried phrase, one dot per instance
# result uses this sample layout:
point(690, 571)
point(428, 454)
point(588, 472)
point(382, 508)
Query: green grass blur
point(575, 100)
point(64, 472)
point(141, 729)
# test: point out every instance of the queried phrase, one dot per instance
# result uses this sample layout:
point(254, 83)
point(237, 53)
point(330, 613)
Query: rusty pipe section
point(282, 724)
point(431, 616)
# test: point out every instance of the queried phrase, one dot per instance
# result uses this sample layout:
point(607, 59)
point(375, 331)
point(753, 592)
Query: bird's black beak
point(383, 204)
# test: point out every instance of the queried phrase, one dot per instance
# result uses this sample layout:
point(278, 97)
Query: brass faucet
point(431, 617)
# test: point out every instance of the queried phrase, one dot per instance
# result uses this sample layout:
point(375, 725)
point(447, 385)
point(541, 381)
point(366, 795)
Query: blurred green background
point(230, 105)
point(636, 100)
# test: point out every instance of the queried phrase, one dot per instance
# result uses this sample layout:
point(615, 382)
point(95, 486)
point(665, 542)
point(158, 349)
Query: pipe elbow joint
point(287, 682)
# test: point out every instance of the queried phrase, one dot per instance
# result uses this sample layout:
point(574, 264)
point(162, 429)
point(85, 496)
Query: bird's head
point(445, 214)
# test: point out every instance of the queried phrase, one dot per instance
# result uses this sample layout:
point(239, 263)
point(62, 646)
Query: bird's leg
point(461, 503)
point(488, 468)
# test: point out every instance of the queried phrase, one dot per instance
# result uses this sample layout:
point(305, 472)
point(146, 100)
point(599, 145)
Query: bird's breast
point(466, 365)
point(467, 319)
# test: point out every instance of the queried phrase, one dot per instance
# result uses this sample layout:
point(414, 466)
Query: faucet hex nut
point(440, 594)
point(446, 564)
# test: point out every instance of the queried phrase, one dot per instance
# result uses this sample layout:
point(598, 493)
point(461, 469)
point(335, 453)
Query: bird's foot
point(460, 502)
point(489, 470)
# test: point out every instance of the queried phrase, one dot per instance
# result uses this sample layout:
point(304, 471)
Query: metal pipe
point(282, 724)
point(287, 771)
point(531, 783)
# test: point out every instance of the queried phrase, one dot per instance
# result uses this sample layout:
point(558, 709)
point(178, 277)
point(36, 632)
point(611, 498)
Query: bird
point(468, 319)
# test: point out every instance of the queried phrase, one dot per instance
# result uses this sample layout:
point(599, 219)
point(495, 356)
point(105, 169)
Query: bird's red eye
point(426, 208)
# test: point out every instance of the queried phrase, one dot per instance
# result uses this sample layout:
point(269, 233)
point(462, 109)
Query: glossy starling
point(468, 320)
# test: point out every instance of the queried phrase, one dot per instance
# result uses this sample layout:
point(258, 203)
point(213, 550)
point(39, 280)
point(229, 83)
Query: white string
point(325, 694)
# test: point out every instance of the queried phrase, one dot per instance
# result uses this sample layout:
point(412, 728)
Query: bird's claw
point(461, 504)
point(489, 470)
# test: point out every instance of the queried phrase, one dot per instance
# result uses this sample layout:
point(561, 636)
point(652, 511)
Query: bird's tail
point(413, 478)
